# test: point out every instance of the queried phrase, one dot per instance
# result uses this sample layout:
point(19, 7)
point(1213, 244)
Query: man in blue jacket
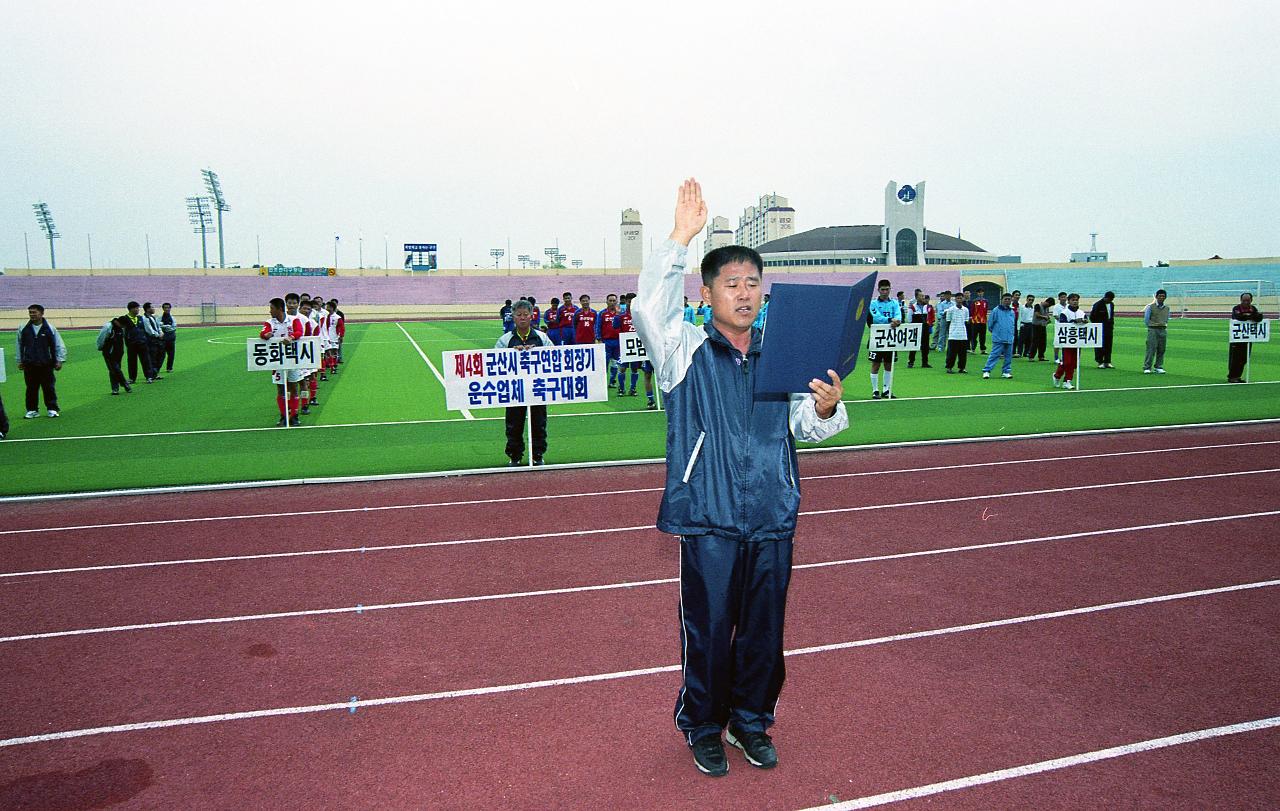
point(1001, 323)
point(732, 491)
point(41, 352)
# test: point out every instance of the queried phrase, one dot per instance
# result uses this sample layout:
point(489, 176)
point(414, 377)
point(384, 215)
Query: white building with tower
point(773, 218)
point(631, 238)
point(1091, 255)
point(718, 235)
point(902, 240)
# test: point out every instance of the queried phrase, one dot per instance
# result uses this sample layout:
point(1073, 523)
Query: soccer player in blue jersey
point(763, 315)
point(883, 310)
point(690, 314)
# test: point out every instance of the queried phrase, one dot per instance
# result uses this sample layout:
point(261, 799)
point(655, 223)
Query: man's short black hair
point(1109, 296)
point(508, 302)
point(277, 302)
point(293, 296)
point(728, 255)
point(884, 283)
point(1162, 290)
point(131, 305)
point(37, 307)
point(166, 304)
point(146, 305)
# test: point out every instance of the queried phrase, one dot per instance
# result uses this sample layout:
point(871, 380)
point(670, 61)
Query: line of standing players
point(294, 317)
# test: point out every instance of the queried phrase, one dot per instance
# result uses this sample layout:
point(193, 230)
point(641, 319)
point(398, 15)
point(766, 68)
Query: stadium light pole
point(220, 205)
point(496, 253)
point(26, 248)
point(89, 238)
point(550, 254)
point(45, 220)
point(360, 249)
point(147, 237)
point(336, 239)
point(577, 263)
point(198, 212)
point(386, 257)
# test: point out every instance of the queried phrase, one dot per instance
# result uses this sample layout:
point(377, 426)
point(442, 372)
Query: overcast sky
point(1155, 124)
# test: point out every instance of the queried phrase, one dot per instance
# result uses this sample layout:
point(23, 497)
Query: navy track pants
point(733, 599)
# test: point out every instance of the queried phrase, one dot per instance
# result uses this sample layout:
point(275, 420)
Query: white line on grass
point(633, 491)
point(347, 706)
point(1049, 765)
point(465, 413)
point(1057, 392)
point(604, 586)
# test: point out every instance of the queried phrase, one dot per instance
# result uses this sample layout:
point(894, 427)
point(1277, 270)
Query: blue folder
point(811, 328)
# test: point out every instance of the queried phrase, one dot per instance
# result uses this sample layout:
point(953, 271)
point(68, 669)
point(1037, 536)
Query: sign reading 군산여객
point(1250, 332)
point(274, 356)
point(1077, 336)
point(631, 348)
point(888, 338)
point(540, 375)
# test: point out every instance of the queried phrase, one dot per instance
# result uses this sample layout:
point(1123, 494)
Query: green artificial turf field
point(211, 421)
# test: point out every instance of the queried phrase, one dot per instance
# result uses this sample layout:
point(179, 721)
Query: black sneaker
point(757, 746)
point(281, 423)
point(513, 462)
point(537, 461)
point(888, 396)
point(875, 395)
point(708, 756)
point(294, 421)
point(652, 406)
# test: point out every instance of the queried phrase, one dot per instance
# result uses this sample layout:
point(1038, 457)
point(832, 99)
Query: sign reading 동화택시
point(541, 375)
point(275, 356)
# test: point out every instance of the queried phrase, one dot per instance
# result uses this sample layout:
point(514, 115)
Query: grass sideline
point(384, 413)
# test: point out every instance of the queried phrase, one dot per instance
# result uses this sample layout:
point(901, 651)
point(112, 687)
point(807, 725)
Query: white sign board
point(275, 356)
point(540, 375)
point(1077, 336)
point(631, 348)
point(902, 338)
point(1246, 332)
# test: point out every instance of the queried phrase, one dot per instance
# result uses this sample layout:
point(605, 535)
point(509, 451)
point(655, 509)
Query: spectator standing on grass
point(1066, 371)
point(732, 493)
point(155, 338)
point(957, 335)
point(944, 303)
point(1056, 310)
point(704, 310)
point(1040, 322)
point(135, 343)
point(1002, 326)
point(921, 312)
point(1016, 304)
point(1104, 313)
point(4, 420)
point(504, 315)
point(1026, 328)
point(567, 313)
point(978, 316)
point(1237, 352)
point(690, 314)
point(1155, 316)
point(169, 330)
point(523, 336)
point(110, 343)
point(41, 352)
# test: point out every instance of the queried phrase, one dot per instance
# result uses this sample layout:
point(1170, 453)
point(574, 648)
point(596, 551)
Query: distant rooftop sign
point(419, 247)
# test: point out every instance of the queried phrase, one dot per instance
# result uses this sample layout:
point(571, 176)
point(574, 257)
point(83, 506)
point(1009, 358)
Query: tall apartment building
point(631, 239)
point(772, 219)
point(718, 235)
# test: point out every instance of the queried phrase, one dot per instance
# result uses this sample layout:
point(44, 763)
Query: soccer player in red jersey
point(279, 326)
point(584, 322)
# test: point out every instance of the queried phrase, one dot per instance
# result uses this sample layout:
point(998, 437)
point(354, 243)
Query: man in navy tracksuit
point(732, 491)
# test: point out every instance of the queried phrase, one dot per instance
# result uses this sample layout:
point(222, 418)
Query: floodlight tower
point(577, 263)
point(45, 219)
point(496, 253)
point(200, 212)
point(524, 261)
point(219, 204)
point(551, 254)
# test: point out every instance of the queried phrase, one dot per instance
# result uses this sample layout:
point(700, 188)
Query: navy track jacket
point(731, 458)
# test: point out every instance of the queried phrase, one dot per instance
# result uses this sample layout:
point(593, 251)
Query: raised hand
point(691, 212)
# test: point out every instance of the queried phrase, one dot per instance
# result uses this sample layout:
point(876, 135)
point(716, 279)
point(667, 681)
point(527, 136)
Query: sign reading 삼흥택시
point(540, 375)
point(1077, 336)
point(888, 338)
point(1250, 332)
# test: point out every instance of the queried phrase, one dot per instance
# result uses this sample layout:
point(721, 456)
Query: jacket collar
point(716, 336)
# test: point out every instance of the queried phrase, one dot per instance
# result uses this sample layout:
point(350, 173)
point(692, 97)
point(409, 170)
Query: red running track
point(854, 722)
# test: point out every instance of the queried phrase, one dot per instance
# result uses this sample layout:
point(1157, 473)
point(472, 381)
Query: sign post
point(1077, 337)
point(905, 337)
point(631, 350)
point(511, 378)
point(1244, 332)
point(282, 357)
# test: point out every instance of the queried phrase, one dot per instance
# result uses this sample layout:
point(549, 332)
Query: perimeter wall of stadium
point(86, 298)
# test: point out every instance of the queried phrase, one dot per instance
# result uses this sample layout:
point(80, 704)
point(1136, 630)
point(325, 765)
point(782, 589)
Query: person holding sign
point(732, 490)
point(1066, 371)
point(624, 323)
point(525, 336)
point(1239, 351)
point(883, 310)
point(281, 327)
point(1001, 323)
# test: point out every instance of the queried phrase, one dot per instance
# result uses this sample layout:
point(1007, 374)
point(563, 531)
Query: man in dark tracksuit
point(1104, 313)
point(41, 352)
point(523, 337)
point(135, 341)
point(732, 492)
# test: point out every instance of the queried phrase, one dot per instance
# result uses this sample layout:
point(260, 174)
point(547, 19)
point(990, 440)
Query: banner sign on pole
point(1077, 336)
point(902, 338)
point(275, 356)
point(1250, 332)
point(631, 348)
point(542, 375)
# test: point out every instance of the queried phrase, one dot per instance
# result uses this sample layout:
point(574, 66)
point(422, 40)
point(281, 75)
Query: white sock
point(888, 381)
point(875, 382)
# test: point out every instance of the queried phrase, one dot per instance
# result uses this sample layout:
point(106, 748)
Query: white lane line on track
point(467, 415)
point(623, 585)
point(632, 491)
point(638, 528)
point(624, 674)
point(1050, 765)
